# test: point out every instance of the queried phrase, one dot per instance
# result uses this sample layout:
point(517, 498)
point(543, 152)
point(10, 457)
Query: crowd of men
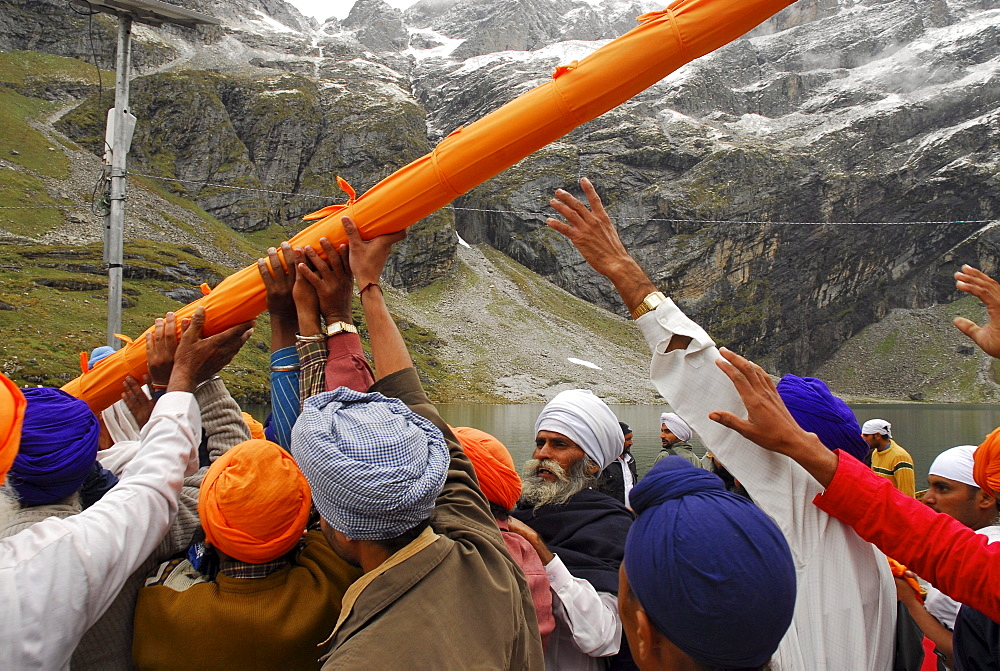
point(356, 529)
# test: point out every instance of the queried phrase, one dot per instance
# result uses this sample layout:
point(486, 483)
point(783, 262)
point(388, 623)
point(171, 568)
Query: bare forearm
point(815, 457)
point(388, 349)
point(282, 331)
point(932, 629)
point(631, 282)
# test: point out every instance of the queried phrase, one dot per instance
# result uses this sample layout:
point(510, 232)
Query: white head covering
point(877, 426)
point(676, 426)
point(955, 464)
point(584, 418)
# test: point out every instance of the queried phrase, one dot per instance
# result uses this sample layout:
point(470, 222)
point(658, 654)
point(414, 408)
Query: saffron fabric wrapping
point(578, 92)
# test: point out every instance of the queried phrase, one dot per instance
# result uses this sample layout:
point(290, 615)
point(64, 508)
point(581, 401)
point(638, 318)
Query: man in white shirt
point(578, 532)
point(846, 604)
point(58, 576)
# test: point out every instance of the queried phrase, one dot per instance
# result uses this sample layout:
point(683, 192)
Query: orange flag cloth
point(12, 405)
point(254, 502)
point(899, 571)
point(986, 464)
point(578, 92)
point(494, 466)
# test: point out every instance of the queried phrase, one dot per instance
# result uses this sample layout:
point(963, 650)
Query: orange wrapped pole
point(663, 41)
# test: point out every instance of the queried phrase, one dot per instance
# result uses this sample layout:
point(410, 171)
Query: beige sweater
point(108, 644)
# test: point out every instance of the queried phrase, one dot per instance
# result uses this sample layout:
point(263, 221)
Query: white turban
point(877, 426)
point(585, 419)
point(676, 426)
point(955, 464)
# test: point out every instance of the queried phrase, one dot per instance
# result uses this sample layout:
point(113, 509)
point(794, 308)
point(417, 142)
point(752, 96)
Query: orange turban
point(986, 464)
point(256, 428)
point(494, 466)
point(254, 502)
point(12, 406)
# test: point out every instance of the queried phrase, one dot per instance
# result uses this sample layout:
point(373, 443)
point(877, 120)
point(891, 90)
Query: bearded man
point(578, 532)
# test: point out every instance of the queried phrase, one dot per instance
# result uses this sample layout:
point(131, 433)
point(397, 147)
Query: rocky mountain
point(849, 111)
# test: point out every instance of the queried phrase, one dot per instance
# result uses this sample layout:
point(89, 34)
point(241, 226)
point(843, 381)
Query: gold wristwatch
point(649, 303)
point(340, 327)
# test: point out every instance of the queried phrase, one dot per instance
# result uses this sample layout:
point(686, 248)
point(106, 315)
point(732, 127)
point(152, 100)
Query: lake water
point(924, 429)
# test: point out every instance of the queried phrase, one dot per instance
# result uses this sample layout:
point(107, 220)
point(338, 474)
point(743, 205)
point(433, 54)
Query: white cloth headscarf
point(873, 426)
point(584, 418)
point(676, 426)
point(955, 464)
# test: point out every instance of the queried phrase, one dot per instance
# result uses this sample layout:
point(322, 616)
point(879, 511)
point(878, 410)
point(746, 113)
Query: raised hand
point(366, 258)
point(768, 422)
point(332, 281)
point(197, 359)
point(161, 343)
point(278, 274)
point(279, 279)
point(140, 405)
point(985, 288)
point(596, 238)
point(589, 229)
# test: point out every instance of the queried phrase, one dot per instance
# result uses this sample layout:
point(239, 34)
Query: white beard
point(536, 491)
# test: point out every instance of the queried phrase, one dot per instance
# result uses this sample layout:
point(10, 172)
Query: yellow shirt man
point(889, 459)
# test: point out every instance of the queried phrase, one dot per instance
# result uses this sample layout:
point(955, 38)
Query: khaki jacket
point(454, 601)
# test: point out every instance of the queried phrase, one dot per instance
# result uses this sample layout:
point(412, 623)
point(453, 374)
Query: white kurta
point(587, 624)
point(845, 609)
point(58, 576)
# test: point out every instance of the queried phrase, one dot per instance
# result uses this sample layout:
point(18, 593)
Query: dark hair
point(394, 545)
point(499, 512)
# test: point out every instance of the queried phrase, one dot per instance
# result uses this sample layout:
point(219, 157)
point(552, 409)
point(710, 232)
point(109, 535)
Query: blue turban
point(375, 467)
point(711, 570)
point(58, 447)
point(820, 412)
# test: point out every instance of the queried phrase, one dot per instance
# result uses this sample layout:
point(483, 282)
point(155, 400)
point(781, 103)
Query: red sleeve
point(939, 548)
point(346, 365)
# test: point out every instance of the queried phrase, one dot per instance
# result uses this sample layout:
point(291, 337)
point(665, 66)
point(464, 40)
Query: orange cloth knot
point(205, 289)
point(347, 188)
point(256, 428)
point(986, 464)
point(494, 466)
point(899, 571)
point(12, 405)
point(563, 69)
point(254, 502)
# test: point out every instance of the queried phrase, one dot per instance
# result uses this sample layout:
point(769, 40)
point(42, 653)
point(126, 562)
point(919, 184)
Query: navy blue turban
point(58, 447)
point(711, 570)
point(820, 412)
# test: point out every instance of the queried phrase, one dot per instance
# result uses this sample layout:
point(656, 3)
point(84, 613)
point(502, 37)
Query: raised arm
point(69, 570)
point(332, 280)
point(366, 259)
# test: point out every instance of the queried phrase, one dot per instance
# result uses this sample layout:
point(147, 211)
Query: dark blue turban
point(711, 570)
point(820, 412)
point(58, 447)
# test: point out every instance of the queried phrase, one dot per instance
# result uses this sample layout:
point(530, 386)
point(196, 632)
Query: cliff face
point(833, 111)
point(882, 112)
